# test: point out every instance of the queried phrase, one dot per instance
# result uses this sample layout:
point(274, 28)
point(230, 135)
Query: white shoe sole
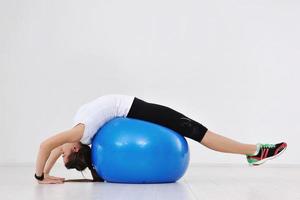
point(266, 159)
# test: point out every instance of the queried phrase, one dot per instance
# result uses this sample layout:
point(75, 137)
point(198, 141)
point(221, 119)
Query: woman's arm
point(68, 136)
point(54, 155)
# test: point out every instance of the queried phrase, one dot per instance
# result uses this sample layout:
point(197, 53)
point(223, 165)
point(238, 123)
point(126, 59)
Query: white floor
point(201, 182)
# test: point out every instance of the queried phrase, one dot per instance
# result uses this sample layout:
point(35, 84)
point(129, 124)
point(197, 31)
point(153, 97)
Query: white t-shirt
point(96, 113)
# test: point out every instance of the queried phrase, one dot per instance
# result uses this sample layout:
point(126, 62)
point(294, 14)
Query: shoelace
point(267, 146)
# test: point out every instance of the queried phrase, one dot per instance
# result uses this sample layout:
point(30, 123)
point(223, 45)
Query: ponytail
point(96, 177)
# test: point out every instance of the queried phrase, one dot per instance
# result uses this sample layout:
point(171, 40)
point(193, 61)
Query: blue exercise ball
point(127, 150)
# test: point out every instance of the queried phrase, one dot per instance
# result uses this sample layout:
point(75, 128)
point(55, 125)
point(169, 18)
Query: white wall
point(231, 65)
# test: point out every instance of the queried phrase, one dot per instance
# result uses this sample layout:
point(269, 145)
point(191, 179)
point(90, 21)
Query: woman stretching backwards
point(73, 144)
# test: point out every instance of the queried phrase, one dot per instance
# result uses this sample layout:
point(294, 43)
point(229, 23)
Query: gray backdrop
point(231, 65)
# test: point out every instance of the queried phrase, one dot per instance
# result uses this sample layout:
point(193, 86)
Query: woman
point(73, 144)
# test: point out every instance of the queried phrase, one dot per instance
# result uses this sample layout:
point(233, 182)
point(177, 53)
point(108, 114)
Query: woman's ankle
point(254, 151)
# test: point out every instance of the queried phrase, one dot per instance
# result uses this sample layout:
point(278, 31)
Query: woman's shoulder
point(115, 96)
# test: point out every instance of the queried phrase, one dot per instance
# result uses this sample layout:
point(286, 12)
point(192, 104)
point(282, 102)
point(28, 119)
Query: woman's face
point(69, 148)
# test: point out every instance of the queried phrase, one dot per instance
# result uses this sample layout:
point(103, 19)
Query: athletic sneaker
point(266, 152)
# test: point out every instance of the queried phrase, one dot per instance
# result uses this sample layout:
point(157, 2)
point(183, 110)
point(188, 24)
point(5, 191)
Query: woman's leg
point(187, 127)
point(223, 144)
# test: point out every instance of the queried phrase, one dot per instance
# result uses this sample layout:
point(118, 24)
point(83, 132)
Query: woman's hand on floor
point(53, 177)
point(51, 180)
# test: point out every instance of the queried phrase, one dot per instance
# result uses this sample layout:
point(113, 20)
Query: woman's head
point(68, 149)
point(78, 156)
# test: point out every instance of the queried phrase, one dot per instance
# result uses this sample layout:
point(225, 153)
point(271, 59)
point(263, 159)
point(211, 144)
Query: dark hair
point(81, 160)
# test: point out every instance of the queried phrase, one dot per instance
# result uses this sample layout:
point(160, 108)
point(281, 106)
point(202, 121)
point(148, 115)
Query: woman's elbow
point(44, 146)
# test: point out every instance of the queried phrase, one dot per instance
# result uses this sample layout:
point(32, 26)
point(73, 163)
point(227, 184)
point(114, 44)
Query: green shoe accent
point(268, 145)
point(251, 160)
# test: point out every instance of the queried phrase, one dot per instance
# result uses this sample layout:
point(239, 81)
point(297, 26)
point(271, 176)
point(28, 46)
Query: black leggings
point(167, 117)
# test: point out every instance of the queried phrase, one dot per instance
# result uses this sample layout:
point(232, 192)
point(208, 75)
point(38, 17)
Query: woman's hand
point(48, 180)
point(53, 177)
point(51, 180)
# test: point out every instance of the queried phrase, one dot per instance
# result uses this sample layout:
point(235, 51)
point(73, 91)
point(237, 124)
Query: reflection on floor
point(201, 181)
